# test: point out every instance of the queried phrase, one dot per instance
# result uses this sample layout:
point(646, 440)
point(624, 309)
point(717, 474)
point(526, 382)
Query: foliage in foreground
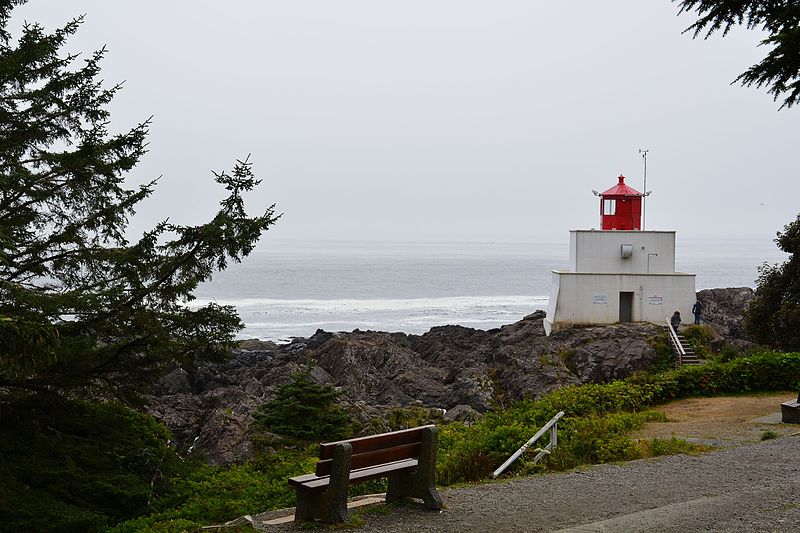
point(84, 312)
point(773, 317)
point(213, 495)
point(80, 467)
point(779, 20)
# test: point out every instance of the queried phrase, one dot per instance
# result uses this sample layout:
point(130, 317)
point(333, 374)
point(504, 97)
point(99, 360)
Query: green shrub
point(601, 439)
point(673, 446)
point(567, 358)
point(212, 495)
point(407, 417)
point(665, 357)
point(728, 353)
point(305, 410)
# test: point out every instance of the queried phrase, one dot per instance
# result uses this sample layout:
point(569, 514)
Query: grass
point(768, 435)
point(673, 446)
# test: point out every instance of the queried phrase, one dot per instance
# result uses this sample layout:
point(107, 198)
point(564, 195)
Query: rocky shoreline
point(450, 371)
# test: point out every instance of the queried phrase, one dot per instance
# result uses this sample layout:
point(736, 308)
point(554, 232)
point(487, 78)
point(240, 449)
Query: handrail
point(676, 343)
point(553, 427)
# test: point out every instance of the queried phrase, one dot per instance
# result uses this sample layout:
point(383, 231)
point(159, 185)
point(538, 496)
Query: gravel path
point(745, 488)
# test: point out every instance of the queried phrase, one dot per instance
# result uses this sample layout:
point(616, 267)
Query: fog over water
point(446, 120)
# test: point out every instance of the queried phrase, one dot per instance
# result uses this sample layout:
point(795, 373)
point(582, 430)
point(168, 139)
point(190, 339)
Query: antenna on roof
point(644, 196)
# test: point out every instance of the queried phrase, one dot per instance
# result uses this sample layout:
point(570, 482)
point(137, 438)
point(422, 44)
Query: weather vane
point(645, 192)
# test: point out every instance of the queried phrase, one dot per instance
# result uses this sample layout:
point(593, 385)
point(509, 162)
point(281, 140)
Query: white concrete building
point(619, 275)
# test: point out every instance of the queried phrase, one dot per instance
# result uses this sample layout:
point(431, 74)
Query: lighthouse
point(619, 273)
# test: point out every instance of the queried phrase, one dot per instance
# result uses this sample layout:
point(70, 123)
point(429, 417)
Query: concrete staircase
point(688, 357)
point(684, 353)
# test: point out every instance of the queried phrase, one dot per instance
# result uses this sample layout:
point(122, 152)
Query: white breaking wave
point(377, 304)
point(280, 320)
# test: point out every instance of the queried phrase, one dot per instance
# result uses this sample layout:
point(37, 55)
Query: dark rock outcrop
point(461, 370)
point(724, 312)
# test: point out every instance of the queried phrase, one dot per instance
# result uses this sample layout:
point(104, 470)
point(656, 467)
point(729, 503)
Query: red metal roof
point(620, 189)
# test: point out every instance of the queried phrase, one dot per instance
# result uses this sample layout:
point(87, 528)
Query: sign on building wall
point(601, 299)
point(655, 299)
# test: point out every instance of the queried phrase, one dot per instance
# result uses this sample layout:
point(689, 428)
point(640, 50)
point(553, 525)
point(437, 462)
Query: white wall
point(593, 298)
point(553, 303)
point(599, 251)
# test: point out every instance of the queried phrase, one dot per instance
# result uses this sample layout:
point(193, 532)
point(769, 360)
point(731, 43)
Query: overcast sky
point(438, 120)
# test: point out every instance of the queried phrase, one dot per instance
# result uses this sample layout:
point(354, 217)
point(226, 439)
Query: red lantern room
point(621, 207)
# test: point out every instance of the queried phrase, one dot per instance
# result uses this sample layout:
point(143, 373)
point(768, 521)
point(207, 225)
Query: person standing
point(675, 321)
point(697, 310)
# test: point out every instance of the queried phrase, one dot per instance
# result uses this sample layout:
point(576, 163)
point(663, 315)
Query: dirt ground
point(726, 420)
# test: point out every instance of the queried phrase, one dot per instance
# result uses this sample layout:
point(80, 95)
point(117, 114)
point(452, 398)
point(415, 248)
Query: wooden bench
point(407, 458)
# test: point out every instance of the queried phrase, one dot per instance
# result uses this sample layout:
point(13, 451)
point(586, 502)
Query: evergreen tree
point(305, 410)
point(773, 317)
point(779, 19)
point(83, 311)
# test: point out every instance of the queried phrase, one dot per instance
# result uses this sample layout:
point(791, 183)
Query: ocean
point(290, 289)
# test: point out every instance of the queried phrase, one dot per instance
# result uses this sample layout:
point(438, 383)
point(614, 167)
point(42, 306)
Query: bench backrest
point(374, 450)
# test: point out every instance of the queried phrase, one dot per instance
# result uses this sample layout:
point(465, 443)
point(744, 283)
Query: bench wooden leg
point(422, 482)
point(330, 505)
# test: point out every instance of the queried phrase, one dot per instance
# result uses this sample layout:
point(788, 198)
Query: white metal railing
point(553, 427)
point(676, 343)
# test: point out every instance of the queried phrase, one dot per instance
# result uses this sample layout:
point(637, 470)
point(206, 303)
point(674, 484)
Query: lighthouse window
point(609, 207)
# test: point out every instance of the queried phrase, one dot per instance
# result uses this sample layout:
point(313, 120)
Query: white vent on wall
point(626, 251)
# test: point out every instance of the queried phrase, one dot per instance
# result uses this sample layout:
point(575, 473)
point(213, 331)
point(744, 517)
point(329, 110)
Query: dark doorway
point(625, 306)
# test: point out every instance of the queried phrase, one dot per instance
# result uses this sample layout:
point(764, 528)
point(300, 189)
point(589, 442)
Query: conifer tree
point(305, 410)
point(773, 317)
point(779, 71)
point(83, 311)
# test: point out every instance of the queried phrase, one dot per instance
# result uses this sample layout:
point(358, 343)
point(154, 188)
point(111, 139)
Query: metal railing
point(680, 353)
point(553, 427)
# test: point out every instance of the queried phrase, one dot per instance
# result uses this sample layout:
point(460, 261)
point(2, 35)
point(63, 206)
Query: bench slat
point(374, 458)
point(375, 442)
point(299, 480)
point(312, 482)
